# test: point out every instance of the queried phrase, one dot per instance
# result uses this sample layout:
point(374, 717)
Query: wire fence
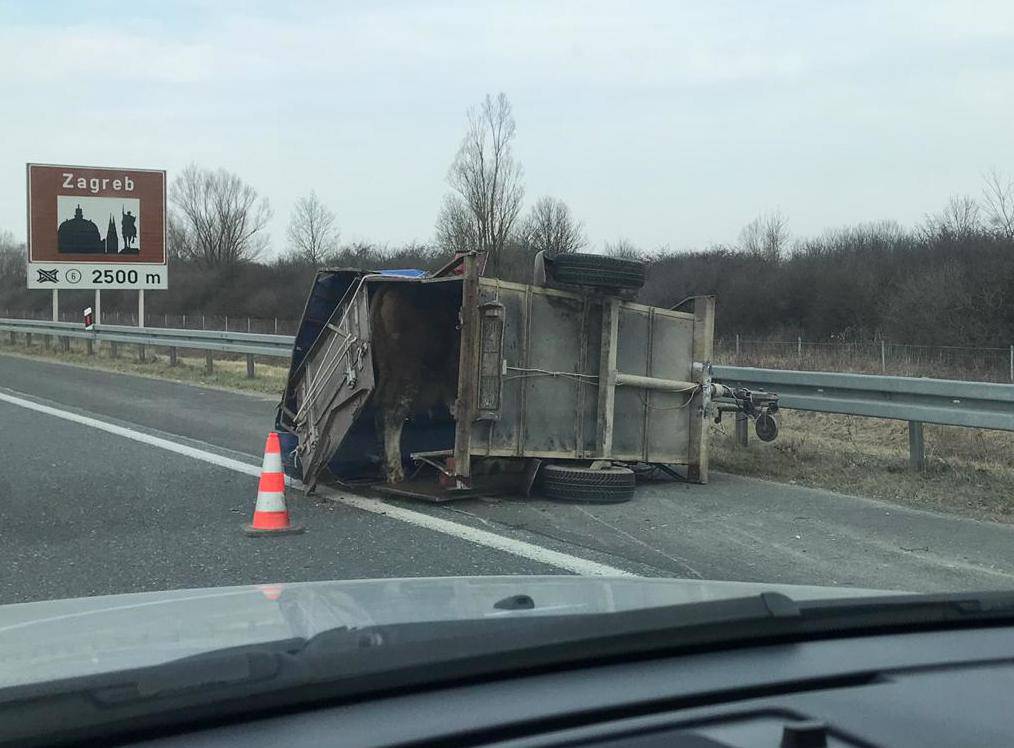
point(871, 357)
point(864, 357)
point(190, 321)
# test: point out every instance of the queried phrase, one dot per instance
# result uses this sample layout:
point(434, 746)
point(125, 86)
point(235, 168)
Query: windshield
point(518, 310)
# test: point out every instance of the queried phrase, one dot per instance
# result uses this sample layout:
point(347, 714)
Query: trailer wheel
point(596, 270)
point(607, 486)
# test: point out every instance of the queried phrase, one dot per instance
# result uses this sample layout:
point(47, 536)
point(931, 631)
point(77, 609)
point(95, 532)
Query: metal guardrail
point(941, 401)
point(250, 344)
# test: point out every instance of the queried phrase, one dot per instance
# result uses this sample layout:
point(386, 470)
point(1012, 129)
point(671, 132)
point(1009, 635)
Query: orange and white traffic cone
point(270, 515)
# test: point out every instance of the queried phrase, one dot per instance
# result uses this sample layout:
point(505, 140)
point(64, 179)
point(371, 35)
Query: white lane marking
point(519, 548)
point(138, 436)
point(530, 551)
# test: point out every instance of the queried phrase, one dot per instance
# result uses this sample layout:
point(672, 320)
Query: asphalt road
point(84, 511)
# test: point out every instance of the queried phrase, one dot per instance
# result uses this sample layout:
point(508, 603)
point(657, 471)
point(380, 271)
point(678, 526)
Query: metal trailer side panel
point(503, 434)
point(552, 345)
point(631, 357)
point(591, 332)
point(336, 385)
point(669, 413)
point(551, 399)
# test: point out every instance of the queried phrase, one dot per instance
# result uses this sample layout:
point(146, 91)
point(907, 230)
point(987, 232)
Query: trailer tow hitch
point(754, 404)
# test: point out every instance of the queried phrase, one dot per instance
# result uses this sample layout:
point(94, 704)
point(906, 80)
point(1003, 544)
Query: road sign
point(96, 227)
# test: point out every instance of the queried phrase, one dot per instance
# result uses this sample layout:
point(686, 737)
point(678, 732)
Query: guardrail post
point(65, 344)
point(209, 363)
point(742, 430)
point(140, 352)
point(114, 350)
point(883, 357)
point(28, 339)
point(14, 337)
point(916, 446)
point(249, 366)
point(172, 356)
point(90, 347)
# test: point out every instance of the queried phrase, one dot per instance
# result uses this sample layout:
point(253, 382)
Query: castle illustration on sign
point(80, 235)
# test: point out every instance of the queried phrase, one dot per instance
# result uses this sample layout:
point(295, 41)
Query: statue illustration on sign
point(80, 234)
point(129, 230)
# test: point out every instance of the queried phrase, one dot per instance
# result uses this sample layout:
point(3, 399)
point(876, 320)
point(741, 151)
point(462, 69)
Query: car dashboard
point(948, 688)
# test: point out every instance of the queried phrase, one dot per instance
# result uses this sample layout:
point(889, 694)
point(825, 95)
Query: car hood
point(41, 641)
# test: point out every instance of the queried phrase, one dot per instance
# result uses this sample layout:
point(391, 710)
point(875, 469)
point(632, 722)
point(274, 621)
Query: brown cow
point(415, 352)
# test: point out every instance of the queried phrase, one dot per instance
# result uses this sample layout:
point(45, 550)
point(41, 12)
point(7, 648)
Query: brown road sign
point(96, 227)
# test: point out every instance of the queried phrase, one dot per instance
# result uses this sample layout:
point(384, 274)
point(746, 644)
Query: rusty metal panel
point(552, 346)
point(338, 381)
point(591, 355)
point(503, 434)
point(632, 358)
point(491, 362)
point(550, 410)
point(668, 415)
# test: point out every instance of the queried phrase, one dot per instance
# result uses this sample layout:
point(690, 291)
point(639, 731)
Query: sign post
point(56, 311)
point(96, 227)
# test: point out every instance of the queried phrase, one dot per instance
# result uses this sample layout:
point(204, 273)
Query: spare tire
point(607, 486)
point(597, 270)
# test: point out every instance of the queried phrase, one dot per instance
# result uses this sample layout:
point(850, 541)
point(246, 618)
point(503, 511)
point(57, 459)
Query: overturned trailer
point(471, 383)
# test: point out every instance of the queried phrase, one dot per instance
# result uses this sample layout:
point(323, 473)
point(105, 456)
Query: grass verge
point(968, 471)
point(227, 374)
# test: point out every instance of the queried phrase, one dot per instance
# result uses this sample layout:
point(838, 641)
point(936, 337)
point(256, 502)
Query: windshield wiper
point(341, 663)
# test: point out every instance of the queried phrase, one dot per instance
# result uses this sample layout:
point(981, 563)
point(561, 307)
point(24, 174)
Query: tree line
point(947, 281)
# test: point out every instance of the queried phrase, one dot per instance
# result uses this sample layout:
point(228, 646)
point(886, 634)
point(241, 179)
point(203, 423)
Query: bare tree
point(313, 235)
point(998, 195)
point(550, 227)
point(623, 248)
point(767, 235)
point(456, 226)
point(219, 219)
point(12, 258)
point(178, 239)
point(486, 176)
point(959, 218)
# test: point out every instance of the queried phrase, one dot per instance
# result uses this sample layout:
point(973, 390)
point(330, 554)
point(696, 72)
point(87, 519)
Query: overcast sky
point(666, 123)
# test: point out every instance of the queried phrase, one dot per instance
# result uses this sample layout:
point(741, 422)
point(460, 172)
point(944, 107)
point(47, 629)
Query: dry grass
point(938, 362)
point(227, 374)
point(968, 471)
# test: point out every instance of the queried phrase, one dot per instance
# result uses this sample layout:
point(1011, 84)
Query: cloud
point(581, 44)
